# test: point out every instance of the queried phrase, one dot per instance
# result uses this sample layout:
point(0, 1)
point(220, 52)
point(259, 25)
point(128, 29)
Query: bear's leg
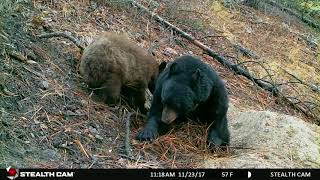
point(214, 112)
point(153, 81)
point(151, 129)
point(136, 97)
point(219, 133)
point(152, 85)
point(140, 99)
point(110, 90)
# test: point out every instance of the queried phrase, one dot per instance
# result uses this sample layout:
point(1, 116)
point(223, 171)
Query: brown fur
point(115, 64)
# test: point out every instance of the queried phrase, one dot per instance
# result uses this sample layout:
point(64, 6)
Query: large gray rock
point(274, 141)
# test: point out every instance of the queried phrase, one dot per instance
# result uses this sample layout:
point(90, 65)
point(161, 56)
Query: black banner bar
point(142, 174)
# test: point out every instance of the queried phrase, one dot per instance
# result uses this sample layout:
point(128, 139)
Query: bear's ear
point(162, 66)
point(196, 75)
point(174, 69)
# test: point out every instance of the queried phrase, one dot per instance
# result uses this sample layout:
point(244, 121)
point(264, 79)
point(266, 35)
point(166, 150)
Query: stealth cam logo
point(12, 173)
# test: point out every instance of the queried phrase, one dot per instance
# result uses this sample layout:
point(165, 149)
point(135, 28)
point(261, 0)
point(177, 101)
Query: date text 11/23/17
point(182, 174)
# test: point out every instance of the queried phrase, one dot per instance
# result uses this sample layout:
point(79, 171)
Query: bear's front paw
point(147, 134)
point(215, 140)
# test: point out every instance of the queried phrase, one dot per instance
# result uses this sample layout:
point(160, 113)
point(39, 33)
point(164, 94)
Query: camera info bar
point(141, 174)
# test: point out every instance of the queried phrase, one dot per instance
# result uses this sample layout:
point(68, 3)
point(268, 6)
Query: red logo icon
point(12, 173)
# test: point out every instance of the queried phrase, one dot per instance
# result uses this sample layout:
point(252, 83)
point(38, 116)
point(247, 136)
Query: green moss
point(309, 8)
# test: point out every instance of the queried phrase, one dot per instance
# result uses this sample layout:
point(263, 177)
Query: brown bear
point(113, 64)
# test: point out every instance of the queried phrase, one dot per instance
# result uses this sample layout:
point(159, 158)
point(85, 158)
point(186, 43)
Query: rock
point(93, 130)
point(169, 52)
point(285, 26)
point(274, 141)
point(249, 30)
point(50, 155)
point(84, 102)
point(98, 137)
point(44, 85)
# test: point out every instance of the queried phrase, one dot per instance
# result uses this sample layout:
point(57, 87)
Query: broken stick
point(64, 35)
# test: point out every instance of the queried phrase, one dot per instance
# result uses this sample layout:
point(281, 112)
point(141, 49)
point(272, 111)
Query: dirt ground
point(48, 119)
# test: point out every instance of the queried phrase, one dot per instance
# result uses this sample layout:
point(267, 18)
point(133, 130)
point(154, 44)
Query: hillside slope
point(48, 119)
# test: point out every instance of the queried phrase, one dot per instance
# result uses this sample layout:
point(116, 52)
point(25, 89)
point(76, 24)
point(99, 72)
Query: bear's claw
point(147, 134)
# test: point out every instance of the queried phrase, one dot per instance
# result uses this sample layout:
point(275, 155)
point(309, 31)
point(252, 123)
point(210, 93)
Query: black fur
point(191, 88)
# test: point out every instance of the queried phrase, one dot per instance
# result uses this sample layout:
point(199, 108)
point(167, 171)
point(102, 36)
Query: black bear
point(188, 87)
point(113, 64)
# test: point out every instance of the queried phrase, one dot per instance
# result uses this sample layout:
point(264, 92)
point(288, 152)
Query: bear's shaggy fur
point(189, 88)
point(113, 64)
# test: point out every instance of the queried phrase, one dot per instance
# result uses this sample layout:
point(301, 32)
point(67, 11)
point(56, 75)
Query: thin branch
point(246, 51)
point(288, 82)
point(17, 56)
point(313, 87)
point(127, 146)
point(83, 150)
point(262, 66)
point(64, 35)
point(209, 36)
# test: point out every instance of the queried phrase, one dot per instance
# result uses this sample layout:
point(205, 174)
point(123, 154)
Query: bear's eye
point(170, 105)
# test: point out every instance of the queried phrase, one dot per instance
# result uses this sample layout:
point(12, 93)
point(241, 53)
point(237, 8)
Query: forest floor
point(48, 119)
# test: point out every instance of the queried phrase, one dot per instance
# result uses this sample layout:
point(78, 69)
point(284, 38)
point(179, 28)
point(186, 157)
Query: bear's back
point(118, 54)
point(187, 65)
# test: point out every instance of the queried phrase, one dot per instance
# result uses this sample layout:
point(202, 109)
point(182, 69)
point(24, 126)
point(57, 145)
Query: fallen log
point(225, 62)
